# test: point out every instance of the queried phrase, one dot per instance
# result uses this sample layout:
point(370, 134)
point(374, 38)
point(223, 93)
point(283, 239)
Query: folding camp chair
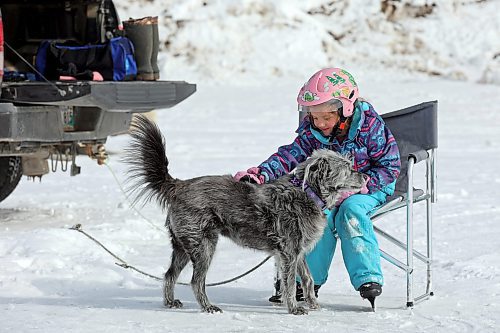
point(415, 130)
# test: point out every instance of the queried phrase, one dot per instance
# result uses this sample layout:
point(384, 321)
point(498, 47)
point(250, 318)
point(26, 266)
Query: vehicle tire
point(11, 170)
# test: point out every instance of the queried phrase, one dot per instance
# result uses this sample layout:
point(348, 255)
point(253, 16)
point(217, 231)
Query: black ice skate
point(369, 291)
point(299, 292)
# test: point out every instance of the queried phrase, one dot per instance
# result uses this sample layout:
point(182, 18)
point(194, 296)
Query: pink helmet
point(330, 84)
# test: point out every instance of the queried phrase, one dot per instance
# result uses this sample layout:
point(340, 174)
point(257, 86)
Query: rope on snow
point(124, 264)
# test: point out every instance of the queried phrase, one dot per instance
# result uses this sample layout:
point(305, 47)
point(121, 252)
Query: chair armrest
point(419, 155)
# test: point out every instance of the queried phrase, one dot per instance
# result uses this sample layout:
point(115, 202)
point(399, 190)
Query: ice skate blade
point(372, 302)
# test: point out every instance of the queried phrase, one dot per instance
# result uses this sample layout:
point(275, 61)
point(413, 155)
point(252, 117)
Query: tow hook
point(100, 154)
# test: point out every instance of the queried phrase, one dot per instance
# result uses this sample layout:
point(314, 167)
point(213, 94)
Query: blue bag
point(114, 60)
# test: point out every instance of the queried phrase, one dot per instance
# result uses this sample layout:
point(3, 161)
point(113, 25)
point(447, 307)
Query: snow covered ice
point(248, 67)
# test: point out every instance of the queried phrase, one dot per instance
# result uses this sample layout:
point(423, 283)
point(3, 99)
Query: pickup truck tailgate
point(124, 96)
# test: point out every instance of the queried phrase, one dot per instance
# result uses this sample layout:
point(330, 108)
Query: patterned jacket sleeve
point(286, 158)
point(384, 156)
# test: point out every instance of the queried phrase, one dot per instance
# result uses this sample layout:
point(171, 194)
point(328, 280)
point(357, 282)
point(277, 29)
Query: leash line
point(122, 263)
point(131, 205)
point(78, 227)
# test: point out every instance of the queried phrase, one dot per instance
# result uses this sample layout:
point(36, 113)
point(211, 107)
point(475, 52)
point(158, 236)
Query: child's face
point(324, 118)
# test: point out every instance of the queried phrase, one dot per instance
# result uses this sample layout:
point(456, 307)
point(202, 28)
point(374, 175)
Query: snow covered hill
point(255, 40)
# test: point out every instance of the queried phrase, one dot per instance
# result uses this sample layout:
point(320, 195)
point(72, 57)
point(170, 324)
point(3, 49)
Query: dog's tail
point(148, 176)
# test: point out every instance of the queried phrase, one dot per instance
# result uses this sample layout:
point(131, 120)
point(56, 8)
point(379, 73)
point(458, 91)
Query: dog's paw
point(173, 304)
point(212, 309)
point(299, 310)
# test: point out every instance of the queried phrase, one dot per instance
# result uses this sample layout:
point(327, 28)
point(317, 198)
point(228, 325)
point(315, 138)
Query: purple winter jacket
point(369, 142)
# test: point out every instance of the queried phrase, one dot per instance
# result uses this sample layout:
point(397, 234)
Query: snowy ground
point(249, 58)
point(53, 279)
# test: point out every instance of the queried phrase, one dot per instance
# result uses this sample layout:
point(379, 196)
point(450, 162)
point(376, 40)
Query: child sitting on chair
point(337, 119)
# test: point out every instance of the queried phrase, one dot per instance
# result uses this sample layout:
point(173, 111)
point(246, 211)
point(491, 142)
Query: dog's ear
point(314, 170)
point(320, 176)
point(335, 173)
point(304, 168)
point(329, 185)
point(313, 167)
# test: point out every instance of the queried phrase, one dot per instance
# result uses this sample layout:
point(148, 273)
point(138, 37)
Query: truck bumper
point(49, 124)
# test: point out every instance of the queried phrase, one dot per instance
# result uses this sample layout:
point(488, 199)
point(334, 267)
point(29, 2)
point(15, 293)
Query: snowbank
point(242, 41)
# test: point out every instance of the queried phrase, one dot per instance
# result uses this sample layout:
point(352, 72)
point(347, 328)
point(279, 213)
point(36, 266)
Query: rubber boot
point(156, 47)
point(140, 33)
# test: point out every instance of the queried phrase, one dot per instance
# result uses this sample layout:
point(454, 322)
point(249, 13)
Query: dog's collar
point(309, 191)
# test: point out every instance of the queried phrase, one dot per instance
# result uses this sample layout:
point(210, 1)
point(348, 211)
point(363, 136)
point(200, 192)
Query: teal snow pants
point(351, 222)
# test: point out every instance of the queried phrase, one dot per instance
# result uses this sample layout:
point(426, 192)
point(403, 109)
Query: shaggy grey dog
point(283, 218)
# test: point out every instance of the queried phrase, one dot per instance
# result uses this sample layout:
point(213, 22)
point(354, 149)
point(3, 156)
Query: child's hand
point(252, 175)
point(364, 189)
point(346, 194)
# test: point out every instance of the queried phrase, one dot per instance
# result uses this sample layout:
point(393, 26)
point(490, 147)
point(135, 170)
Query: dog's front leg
point(307, 284)
point(289, 269)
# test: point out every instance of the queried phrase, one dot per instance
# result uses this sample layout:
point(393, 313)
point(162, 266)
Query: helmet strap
point(341, 126)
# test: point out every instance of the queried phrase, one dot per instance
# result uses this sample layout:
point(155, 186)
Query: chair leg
point(409, 236)
point(408, 246)
point(430, 169)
